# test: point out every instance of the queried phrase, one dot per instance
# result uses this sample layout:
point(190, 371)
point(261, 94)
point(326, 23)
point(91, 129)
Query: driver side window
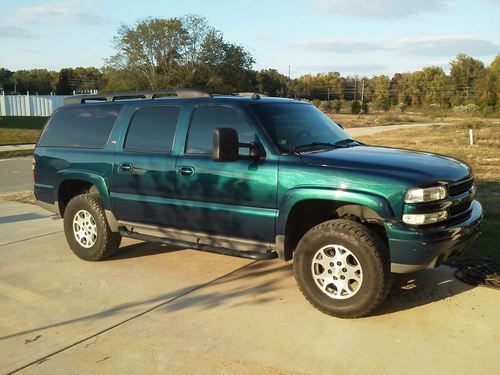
point(205, 119)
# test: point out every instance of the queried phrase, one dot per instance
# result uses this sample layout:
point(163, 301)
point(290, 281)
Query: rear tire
point(342, 269)
point(87, 230)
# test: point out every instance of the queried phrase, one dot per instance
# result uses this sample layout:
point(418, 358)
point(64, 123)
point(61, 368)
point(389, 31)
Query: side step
point(255, 255)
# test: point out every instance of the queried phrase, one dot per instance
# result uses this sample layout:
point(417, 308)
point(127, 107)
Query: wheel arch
point(74, 182)
point(302, 209)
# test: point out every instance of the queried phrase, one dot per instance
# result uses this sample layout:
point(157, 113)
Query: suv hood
point(420, 167)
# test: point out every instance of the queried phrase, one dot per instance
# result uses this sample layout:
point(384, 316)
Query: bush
point(326, 106)
point(401, 107)
point(336, 105)
point(316, 103)
point(355, 107)
point(469, 108)
point(365, 108)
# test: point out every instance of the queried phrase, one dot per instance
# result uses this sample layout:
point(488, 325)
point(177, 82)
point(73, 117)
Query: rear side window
point(152, 129)
point(85, 126)
point(206, 119)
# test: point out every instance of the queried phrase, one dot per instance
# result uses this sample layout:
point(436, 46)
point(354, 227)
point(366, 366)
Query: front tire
point(86, 229)
point(342, 269)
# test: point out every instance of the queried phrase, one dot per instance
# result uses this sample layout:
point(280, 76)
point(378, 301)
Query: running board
point(255, 255)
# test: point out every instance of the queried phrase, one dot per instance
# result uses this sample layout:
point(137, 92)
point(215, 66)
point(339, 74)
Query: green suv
point(254, 177)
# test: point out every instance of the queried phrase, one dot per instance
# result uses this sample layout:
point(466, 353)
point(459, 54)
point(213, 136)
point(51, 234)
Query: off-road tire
point(373, 257)
point(106, 243)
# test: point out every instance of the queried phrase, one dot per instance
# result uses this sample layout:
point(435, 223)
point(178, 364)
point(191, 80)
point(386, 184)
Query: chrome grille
point(460, 187)
point(459, 208)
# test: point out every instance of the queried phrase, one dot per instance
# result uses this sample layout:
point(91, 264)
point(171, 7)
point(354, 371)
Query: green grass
point(20, 129)
point(22, 122)
point(483, 157)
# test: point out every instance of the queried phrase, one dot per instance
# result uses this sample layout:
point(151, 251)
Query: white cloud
point(15, 32)
point(337, 45)
point(352, 69)
point(382, 8)
point(59, 12)
point(447, 45)
point(443, 45)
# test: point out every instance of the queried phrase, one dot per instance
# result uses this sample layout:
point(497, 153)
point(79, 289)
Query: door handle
point(186, 171)
point(126, 167)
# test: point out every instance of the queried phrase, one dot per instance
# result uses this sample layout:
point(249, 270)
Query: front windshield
point(298, 126)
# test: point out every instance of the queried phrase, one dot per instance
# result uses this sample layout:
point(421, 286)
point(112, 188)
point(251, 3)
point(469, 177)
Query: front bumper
point(413, 249)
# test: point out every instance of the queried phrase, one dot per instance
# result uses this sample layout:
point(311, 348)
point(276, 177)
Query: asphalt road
point(15, 175)
point(153, 308)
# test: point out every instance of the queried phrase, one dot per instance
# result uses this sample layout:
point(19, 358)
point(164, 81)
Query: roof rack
point(150, 94)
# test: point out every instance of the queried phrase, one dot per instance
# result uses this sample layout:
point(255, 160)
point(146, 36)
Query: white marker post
point(471, 136)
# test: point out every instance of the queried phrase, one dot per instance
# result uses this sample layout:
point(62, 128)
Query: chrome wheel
point(337, 272)
point(84, 228)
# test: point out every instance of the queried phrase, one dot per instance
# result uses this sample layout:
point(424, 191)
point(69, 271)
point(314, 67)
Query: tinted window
point(82, 126)
point(206, 119)
point(293, 125)
point(152, 129)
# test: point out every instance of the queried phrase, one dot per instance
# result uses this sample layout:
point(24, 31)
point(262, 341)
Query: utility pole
point(328, 95)
point(289, 72)
point(355, 88)
point(362, 91)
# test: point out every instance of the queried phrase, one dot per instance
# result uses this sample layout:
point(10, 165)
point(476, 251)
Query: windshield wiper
point(314, 144)
point(348, 142)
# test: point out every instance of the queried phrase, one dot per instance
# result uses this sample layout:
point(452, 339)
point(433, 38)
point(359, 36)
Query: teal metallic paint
point(296, 195)
point(419, 246)
point(253, 199)
point(146, 193)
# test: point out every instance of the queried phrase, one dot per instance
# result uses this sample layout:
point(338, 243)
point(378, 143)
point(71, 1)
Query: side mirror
point(225, 144)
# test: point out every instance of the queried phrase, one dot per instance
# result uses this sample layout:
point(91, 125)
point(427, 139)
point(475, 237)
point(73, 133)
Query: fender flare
point(294, 196)
point(92, 178)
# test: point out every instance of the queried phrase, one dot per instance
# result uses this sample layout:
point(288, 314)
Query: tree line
point(162, 53)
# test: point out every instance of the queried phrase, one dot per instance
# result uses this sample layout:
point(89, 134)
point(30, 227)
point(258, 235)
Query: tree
point(6, 80)
point(487, 87)
point(400, 86)
point(272, 83)
point(382, 94)
point(355, 107)
point(465, 71)
point(39, 81)
point(79, 80)
point(173, 52)
point(153, 46)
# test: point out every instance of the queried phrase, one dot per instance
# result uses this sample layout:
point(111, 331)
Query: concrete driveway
point(155, 308)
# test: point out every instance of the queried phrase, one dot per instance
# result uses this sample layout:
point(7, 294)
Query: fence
point(30, 105)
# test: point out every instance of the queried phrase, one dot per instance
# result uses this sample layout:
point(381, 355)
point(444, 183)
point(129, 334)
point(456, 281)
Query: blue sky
point(350, 36)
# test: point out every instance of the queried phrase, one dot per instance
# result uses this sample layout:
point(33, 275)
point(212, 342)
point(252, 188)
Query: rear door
point(232, 199)
point(144, 169)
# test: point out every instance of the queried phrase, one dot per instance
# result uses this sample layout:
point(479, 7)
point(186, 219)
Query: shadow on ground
point(264, 282)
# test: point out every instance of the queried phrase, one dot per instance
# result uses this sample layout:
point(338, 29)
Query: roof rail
point(248, 94)
point(150, 94)
point(253, 95)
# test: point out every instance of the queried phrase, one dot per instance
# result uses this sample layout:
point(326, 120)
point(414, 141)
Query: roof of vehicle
point(177, 94)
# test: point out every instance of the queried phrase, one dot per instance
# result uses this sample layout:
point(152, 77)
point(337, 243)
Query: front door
point(143, 188)
point(233, 199)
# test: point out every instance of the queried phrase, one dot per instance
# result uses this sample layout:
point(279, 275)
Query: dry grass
point(374, 119)
point(10, 136)
point(21, 197)
point(483, 157)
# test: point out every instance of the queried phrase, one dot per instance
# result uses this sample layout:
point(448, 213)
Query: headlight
point(425, 195)
point(421, 219)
